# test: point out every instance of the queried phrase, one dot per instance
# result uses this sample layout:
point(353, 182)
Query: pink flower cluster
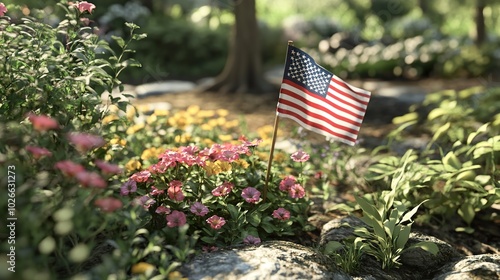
point(3, 9)
point(83, 6)
point(289, 184)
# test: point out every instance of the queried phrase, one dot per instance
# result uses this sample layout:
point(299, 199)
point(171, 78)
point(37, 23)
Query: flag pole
point(271, 153)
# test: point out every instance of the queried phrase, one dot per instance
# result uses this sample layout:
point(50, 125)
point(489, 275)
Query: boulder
point(483, 267)
point(269, 260)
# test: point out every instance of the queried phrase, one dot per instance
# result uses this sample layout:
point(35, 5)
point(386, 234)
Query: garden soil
point(257, 110)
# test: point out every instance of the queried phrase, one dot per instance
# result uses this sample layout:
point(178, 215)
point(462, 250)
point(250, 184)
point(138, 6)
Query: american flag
point(320, 101)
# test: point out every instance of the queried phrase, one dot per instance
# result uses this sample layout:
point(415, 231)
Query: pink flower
point(176, 219)
point(296, 191)
point(155, 191)
point(42, 123)
point(223, 189)
point(251, 195)
point(175, 191)
point(108, 168)
point(216, 222)
point(144, 201)
point(108, 204)
point(38, 152)
point(91, 179)
point(69, 168)
point(128, 187)
point(251, 240)
point(247, 143)
point(300, 156)
point(162, 210)
point(85, 142)
point(287, 183)
point(3, 9)
point(199, 209)
point(281, 214)
point(84, 6)
point(141, 176)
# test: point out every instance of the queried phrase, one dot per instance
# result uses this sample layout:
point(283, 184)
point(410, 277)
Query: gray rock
point(339, 229)
point(269, 260)
point(484, 267)
point(159, 88)
point(423, 260)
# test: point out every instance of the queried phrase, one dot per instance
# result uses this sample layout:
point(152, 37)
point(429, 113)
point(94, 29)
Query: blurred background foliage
point(384, 39)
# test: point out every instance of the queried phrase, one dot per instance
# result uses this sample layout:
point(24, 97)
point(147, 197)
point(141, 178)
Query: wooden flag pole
point(271, 153)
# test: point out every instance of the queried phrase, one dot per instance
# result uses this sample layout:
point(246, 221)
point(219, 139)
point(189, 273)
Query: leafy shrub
point(458, 170)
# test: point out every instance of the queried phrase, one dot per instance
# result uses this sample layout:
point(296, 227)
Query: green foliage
point(346, 255)
point(60, 72)
point(389, 225)
point(458, 171)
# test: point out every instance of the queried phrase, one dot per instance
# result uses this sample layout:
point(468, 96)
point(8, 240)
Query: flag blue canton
point(301, 68)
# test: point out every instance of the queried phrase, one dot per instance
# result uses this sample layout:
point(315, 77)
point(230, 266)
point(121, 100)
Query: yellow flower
point(262, 155)
point(108, 157)
point(142, 267)
point(118, 141)
point(231, 124)
point(208, 142)
point(222, 112)
point(193, 109)
point(221, 121)
point(109, 119)
point(133, 165)
point(131, 111)
point(212, 122)
point(136, 127)
point(212, 168)
point(151, 153)
point(161, 113)
point(279, 157)
point(243, 163)
point(151, 119)
point(225, 137)
point(144, 108)
point(224, 165)
point(206, 127)
point(205, 114)
point(182, 138)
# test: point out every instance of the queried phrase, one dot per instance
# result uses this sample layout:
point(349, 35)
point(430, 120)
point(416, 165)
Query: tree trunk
point(480, 24)
point(243, 69)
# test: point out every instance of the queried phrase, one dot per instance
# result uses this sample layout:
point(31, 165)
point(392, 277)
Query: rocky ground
point(388, 100)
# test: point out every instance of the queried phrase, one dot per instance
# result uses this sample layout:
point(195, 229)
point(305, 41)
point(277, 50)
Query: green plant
point(348, 254)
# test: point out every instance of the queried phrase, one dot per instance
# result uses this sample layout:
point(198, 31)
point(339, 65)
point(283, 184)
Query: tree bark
point(480, 24)
point(243, 69)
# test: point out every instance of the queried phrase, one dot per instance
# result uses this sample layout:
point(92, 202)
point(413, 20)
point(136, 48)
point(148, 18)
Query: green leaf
point(403, 236)
point(441, 130)
point(332, 247)
point(368, 208)
point(407, 217)
point(233, 211)
point(466, 211)
point(428, 246)
point(119, 40)
point(254, 218)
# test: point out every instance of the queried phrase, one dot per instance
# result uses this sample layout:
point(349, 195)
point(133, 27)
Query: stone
point(485, 267)
point(158, 88)
point(273, 260)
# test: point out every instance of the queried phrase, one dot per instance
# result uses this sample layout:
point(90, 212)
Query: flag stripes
point(336, 112)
